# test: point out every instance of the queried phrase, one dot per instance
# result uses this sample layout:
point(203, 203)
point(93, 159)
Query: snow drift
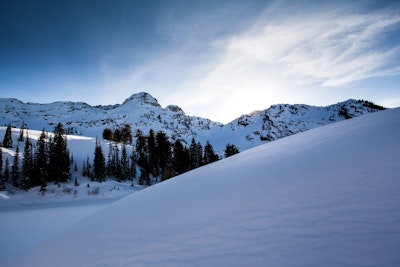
point(325, 197)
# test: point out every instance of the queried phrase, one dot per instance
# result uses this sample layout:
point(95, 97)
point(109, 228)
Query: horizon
point(214, 60)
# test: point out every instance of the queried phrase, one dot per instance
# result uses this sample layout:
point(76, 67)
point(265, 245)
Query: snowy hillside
point(142, 111)
point(325, 197)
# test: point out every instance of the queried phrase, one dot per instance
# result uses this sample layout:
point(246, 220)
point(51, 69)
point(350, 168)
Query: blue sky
point(215, 59)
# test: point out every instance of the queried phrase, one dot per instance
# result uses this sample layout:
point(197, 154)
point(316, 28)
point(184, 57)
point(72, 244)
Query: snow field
point(325, 197)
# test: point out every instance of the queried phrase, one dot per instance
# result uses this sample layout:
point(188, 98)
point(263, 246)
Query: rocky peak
point(142, 98)
point(175, 109)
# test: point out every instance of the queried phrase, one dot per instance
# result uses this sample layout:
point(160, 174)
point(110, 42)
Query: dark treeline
point(153, 157)
point(46, 161)
point(150, 159)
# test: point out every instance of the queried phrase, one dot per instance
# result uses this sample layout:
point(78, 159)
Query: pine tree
point(6, 174)
point(181, 161)
point(126, 134)
point(132, 171)
point(196, 154)
point(27, 166)
point(109, 167)
point(15, 168)
point(2, 178)
point(164, 155)
point(209, 155)
point(125, 170)
point(88, 168)
point(99, 165)
point(116, 163)
point(153, 154)
point(142, 155)
point(230, 150)
point(21, 132)
point(107, 134)
point(7, 141)
point(59, 156)
point(42, 161)
point(117, 137)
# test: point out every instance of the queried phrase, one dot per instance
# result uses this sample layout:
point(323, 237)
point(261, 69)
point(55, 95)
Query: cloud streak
point(332, 50)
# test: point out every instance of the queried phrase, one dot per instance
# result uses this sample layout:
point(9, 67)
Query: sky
point(214, 59)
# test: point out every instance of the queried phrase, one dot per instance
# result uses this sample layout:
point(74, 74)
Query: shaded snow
point(326, 197)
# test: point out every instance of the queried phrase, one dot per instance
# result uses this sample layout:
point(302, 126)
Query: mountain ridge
point(142, 111)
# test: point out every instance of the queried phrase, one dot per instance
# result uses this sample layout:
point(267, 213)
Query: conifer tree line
point(38, 164)
point(152, 158)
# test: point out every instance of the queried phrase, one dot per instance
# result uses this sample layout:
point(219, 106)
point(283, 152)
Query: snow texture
point(325, 197)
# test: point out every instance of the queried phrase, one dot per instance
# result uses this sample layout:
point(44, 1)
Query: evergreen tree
point(116, 164)
point(110, 164)
point(209, 155)
point(27, 166)
point(108, 134)
point(6, 174)
point(117, 137)
point(88, 168)
point(153, 154)
point(164, 155)
point(126, 134)
point(230, 150)
point(59, 156)
point(143, 158)
point(125, 168)
point(15, 168)
point(196, 154)
point(21, 132)
point(132, 171)
point(42, 159)
point(99, 165)
point(181, 162)
point(2, 178)
point(7, 141)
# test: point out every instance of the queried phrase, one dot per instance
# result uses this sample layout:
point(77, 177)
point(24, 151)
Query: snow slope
point(326, 197)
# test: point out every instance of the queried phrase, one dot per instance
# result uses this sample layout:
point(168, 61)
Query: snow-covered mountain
point(325, 197)
point(142, 111)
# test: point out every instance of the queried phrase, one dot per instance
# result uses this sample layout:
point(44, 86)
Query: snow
point(142, 111)
point(325, 197)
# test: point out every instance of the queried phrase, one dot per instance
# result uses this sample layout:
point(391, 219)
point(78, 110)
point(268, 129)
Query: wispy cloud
point(332, 50)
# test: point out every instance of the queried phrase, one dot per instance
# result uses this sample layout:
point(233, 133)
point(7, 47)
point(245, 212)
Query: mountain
point(142, 111)
point(324, 197)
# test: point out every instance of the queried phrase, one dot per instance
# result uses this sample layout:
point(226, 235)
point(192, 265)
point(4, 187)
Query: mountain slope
point(142, 111)
point(325, 197)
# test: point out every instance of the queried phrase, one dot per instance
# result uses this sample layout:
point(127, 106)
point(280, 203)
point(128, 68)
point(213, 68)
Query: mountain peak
point(142, 98)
